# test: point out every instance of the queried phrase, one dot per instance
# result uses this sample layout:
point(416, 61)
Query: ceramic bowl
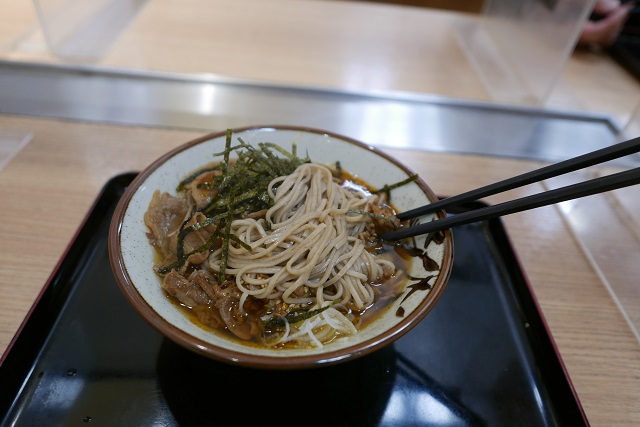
point(132, 256)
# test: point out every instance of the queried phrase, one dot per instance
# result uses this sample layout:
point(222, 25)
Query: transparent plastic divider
point(631, 128)
point(607, 227)
point(84, 29)
point(519, 48)
point(11, 142)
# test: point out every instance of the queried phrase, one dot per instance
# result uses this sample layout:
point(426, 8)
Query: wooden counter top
point(47, 189)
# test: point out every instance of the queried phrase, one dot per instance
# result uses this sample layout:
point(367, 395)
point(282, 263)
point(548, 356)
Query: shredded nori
point(277, 323)
point(387, 188)
point(242, 189)
point(188, 180)
point(338, 173)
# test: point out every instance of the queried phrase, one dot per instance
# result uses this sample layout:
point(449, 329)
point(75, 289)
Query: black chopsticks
point(587, 188)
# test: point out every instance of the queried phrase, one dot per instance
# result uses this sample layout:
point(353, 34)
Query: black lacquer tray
point(482, 357)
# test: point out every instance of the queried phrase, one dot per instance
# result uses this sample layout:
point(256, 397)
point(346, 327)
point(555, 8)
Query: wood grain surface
point(47, 189)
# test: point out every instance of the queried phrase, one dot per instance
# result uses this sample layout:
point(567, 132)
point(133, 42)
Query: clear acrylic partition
point(632, 127)
point(518, 48)
point(11, 142)
point(607, 227)
point(84, 29)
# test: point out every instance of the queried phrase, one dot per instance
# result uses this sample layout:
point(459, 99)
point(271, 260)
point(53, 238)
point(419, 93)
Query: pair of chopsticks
point(587, 188)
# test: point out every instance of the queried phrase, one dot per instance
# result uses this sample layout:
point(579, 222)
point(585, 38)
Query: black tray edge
point(94, 213)
point(515, 267)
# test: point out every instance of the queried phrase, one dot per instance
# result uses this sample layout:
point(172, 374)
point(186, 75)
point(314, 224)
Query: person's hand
point(603, 32)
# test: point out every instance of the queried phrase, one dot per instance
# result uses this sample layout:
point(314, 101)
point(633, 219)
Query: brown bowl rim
point(260, 361)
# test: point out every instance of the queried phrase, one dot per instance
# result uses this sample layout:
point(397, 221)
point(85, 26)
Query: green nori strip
point(398, 184)
point(224, 256)
point(188, 180)
point(247, 180)
point(293, 317)
point(243, 189)
point(387, 188)
point(182, 257)
point(167, 268)
point(206, 245)
point(339, 170)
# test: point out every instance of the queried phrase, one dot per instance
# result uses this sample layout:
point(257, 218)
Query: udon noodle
point(299, 273)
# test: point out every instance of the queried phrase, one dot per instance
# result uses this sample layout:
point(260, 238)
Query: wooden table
point(46, 190)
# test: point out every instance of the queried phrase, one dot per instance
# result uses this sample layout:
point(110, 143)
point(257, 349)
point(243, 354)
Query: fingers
point(605, 7)
point(605, 31)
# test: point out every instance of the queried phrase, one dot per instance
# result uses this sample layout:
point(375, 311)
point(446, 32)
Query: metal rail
point(209, 102)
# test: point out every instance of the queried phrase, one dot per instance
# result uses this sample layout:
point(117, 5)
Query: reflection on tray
point(383, 388)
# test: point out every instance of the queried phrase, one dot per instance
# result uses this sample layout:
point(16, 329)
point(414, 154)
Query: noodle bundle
point(307, 248)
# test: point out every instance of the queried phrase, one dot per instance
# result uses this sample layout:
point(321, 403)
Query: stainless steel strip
point(208, 102)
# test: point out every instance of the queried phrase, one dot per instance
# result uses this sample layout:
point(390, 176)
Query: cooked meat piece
point(185, 291)
point(213, 305)
point(245, 324)
point(200, 188)
point(197, 238)
point(206, 282)
point(165, 215)
point(209, 316)
point(382, 225)
point(198, 293)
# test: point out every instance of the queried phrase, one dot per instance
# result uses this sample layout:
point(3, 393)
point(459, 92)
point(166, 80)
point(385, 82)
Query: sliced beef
point(197, 238)
point(213, 305)
point(245, 325)
point(205, 281)
point(382, 225)
point(209, 316)
point(202, 190)
point(185, 290)
point(163, 218)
